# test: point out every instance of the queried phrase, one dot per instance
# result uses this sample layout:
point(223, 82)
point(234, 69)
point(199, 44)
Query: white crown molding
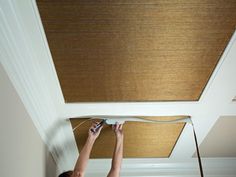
point(213, 167)
point(27, 61)
point(25, 55)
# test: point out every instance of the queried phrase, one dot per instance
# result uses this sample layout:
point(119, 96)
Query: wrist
point(119, 137)
point(91, 139)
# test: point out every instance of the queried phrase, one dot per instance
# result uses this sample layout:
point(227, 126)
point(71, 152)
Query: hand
point(93, 135)
point(117, 128)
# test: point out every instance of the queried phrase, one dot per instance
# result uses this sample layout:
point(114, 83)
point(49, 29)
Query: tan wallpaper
point(142, 140)
point(154, 50)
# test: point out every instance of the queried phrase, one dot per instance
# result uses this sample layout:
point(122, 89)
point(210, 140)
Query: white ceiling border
point(213, 167)
point(28, 63)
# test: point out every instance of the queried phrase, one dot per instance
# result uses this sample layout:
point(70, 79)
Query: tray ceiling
point(154, 140)
point(135, 50)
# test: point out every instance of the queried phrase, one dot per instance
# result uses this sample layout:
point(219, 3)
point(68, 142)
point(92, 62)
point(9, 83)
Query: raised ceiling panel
point(153, 140)
point(154, 50)
point(221, 140)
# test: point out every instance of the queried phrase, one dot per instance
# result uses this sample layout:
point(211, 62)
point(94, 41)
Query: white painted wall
point(22, 150)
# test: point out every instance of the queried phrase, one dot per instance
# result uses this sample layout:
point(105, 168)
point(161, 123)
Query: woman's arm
point(118, 152)
point(85, 153)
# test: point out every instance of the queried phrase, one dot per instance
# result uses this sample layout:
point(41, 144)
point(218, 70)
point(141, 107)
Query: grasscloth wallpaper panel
point(132, 50)
point(142, 140)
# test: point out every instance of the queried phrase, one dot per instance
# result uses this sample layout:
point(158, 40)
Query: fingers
point(117, 127)
point(113, 127)
point(99, 130)
point(94, 123)
point(120, 126)
point(94, 128)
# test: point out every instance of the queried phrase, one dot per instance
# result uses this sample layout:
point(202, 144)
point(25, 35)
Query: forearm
point(117, 154)
point(83, 157)
point(117, 158)
point(118, 151)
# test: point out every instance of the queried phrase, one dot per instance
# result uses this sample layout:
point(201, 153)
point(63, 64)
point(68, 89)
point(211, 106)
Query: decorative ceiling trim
point(215, 167)
point(25, 55)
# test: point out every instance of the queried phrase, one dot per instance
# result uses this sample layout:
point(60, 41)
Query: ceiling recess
point(155, 140)
point(133, 50)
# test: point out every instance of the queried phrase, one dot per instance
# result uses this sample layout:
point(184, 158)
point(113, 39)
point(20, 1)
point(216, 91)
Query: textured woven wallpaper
point(142, 140)
point(132, 50)
point(136, 50)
